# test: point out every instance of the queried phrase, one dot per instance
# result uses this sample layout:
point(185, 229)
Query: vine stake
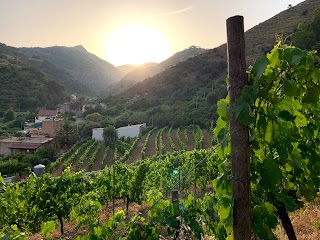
point(240, 150)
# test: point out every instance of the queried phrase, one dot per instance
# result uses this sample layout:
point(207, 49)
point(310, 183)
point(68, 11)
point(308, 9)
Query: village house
point(26, 145)
point(48, 128)
point(45, 114)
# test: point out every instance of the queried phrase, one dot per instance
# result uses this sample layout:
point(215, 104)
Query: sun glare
point(136, 44)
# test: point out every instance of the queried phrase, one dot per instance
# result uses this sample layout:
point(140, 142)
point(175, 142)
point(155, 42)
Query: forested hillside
point(187, 92)
point(85, 67)
point(139, 73)
point(24, 87)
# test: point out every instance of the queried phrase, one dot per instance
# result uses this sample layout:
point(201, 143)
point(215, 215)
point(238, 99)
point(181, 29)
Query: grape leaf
point(260, 66)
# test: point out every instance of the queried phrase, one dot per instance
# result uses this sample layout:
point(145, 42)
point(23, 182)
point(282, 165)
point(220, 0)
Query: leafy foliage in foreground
point(281, 107)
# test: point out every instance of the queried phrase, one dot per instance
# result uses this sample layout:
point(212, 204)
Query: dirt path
point(190, 143)
point(136, 155)
point(85, 164)
point(151, 146)
point(73, 167)
point(97, 165)
point(207, 139)
point(174, 139)
point(110, 157)
point(166, 142)
point(58, 171)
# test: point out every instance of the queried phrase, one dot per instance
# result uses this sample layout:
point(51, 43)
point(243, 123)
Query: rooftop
point(26, 140)
point(132, 126)
point(43, 113)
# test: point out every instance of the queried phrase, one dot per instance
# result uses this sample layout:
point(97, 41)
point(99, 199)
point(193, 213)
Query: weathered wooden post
point(175, 203)
point(113, 188)
point(240, 149)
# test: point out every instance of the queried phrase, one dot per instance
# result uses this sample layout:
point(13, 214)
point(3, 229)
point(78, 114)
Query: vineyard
point(177, 183)
point(89, 155)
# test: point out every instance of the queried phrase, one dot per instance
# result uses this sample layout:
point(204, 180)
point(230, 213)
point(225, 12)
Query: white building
point(43, 115)
point(130, 131)
point(97, 134)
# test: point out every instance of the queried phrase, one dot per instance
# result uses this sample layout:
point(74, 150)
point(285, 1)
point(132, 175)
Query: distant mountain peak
point(80, 48)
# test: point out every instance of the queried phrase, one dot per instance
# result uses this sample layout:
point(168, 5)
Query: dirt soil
point(207, 139)
point(190, 143)
point(174, 139)
point(166, 143)
point(150, 151)
point(97, 165)
point(136, 155)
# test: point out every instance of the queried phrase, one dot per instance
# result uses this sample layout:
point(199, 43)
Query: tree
point(110, 135)
point(94, 117)
point(46, 153)
point(308, 34)
point(86, 130)
point(67, 135)
point(9, 115)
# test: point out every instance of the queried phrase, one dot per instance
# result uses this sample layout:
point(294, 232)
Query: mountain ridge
point(87, 68)
point(141, 72)
point(187, 93)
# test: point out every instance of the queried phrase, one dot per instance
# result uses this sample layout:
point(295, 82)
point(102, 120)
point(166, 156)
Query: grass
point(306, 222)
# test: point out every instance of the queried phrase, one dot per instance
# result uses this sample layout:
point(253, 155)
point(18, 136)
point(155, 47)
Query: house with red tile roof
point(45, 115)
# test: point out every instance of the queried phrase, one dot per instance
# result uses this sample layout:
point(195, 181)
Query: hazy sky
point(93, 23)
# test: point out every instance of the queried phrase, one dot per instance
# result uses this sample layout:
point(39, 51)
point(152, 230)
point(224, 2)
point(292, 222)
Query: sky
point(128, 31)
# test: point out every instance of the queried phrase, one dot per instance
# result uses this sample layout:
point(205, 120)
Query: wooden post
point(175, 202)
point(127, 206)
point(240, 149)
point(113, 189)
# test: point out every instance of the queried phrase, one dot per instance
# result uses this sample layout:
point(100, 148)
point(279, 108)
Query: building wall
point(4, 150)
point(97, 134)
point(52, 127)
point(130, 131)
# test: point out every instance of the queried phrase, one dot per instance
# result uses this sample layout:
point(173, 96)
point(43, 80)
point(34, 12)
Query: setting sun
point(136, 44)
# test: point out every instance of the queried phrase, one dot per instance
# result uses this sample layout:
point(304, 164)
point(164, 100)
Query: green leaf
point(260, 66)
point(290, 202)
point(250, 93)
point(243, 111)
point(312, 94)
point(47, 227)
point(224, 212)
point(264, 220)
point(223, 108)
point(293, 55)
point(268, 132)
point(300, 120)
point(172, 222)
point(270, 173)
point(286, 116)
point(290, 88)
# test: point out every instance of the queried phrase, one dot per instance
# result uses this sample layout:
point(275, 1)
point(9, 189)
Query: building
point(51, 127)
point(27, 145)
point(45, 114)
point(130, 131)
point(97, 134)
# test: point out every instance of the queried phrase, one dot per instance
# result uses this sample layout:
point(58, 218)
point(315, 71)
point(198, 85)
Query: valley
point(149, 152)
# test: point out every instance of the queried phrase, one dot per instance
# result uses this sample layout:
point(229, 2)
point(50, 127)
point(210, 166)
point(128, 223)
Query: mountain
point(25, 87)
point(187, 92)
point(129, 68)
point(136, 74)
point(85, 67)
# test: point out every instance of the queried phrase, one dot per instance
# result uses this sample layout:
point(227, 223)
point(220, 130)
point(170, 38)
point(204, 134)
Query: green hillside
point(24, 87)
point(187, 92)
point(85, 67)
